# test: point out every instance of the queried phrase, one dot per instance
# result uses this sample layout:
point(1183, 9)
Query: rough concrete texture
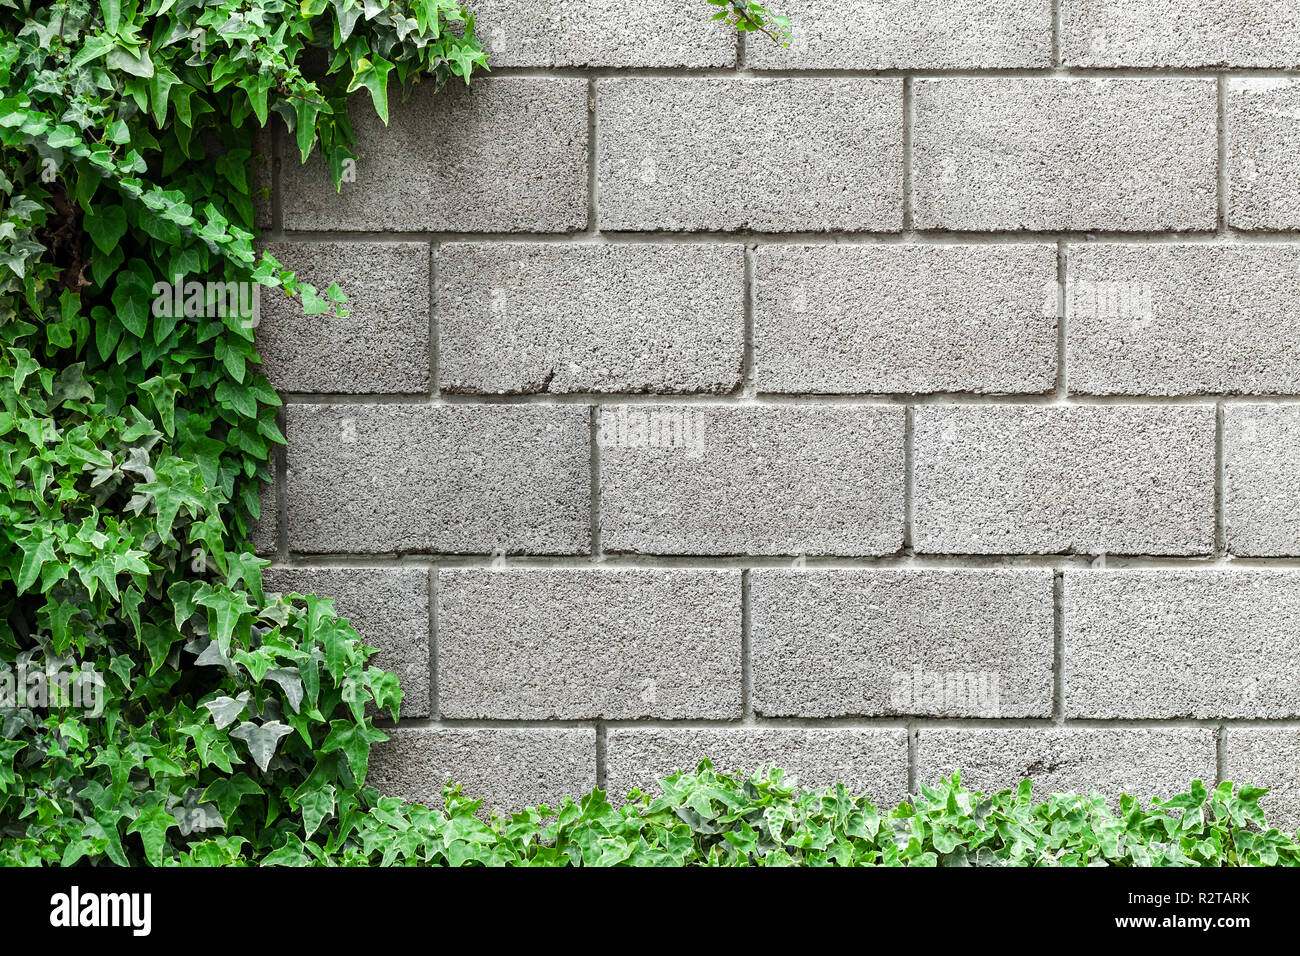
point(381, 345)
point(1263, 164)
point(543, 317)
point(1261, 445)
point(505, 155)
point(561, 643)
point(1206, 643)
point(650, 33)
point(1184, 319)
point(957, 643)
point(1180, 33)
point(264, 535)
point(1046, 153)
point(911, 318)
point(872, 761)
point(1268, 757)
point(909, 34)
point(751, 432)
point(1141, 763)
point(774, 155)
point(739, 479)
point(459, 479)
point(508, 769)
point(389, 607)
point(1118, 479)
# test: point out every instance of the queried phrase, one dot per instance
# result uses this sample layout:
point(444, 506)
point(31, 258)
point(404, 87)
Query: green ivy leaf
point(262, 739)
point(152, 824)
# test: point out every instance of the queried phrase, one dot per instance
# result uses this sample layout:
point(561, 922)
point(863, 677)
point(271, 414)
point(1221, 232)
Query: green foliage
point(718, 819)
point(746, 17)
point(227, 726)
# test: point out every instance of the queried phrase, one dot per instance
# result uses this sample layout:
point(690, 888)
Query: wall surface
point(924, 396)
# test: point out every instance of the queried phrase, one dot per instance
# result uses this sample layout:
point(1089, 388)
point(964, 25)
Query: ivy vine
point(156, 705)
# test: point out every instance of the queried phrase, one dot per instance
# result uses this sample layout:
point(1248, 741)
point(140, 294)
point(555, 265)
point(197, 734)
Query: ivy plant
point(747, 17)
point(228, 725)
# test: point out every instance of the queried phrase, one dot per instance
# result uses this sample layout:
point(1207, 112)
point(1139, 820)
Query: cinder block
point(572, 643)
point(1020, 479)
point(382, 345)
point(507, 769)
point(1268, 757)
point(1141, 763)
point(1031, 153)
point(454, 479)
point(1188, 33)
point(1183, 319)
point(960, 643)
point(503, 155)
point(388, 607)
point(909, 34)
point(651, 33)
point(1261, 446)
point(745, 479)
point(911, 318)
point(772, 155)
point(1263, 126)
point(1206, 643)
point(544, 317)
point(871, 762)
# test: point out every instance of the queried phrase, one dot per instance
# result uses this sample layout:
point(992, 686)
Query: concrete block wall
point(923, 396)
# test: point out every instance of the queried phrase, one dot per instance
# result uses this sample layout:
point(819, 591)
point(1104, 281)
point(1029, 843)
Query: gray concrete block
point(1183, 319)
point(539, 317)
point(382, 345)
point(960, 643)
point(507, 154)
point(388, 607)
point(1177, 644)
point(1065, 154)
point(909, 34)
point(773, 155)
point(1013, 479)
point(1263, 123)
point(508, 769)
point(744, 479)
point(454, 479)
point(539, 643)
point(652, 33)
point(1183, 33)
point(265, 533)
point(912, 318)
point(1141, 763)
point(871, 762)
point(1268, 757)
point(1261, 445)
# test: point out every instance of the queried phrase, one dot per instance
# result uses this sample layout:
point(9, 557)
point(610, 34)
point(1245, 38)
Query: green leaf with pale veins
point(262, 739)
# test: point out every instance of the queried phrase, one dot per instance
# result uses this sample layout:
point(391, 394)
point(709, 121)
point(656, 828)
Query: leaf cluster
point(708, 818)
point(747, 16)
point(228, 724)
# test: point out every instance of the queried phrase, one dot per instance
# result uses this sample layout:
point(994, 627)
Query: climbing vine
point(155, 704)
